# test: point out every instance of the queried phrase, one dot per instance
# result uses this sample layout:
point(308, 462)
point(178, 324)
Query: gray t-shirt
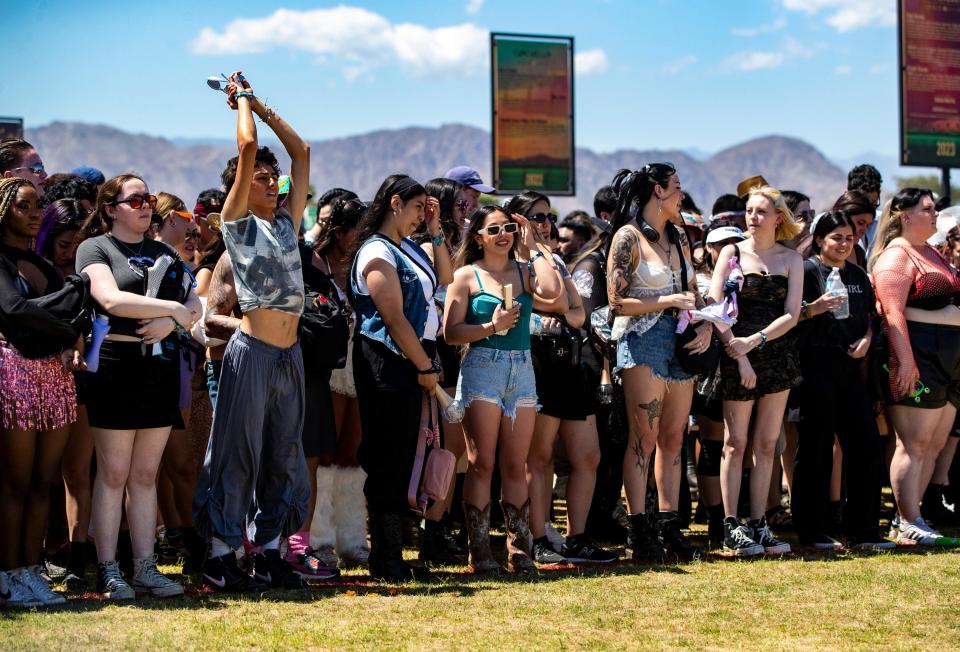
point(266, 263)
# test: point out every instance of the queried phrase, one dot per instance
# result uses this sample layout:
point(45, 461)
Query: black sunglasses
point(540, 218)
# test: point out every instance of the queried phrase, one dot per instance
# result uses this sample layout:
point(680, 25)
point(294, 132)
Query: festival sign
point(929, 82)
point(532, 113)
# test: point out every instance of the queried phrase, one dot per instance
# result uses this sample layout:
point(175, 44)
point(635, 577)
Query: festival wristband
point(434, 369)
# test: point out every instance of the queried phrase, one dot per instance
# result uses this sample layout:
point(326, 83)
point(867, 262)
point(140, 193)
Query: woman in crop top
point(760, 364)
point(917, 296)
point(37, 397)
point(392, 286)
point(644, 272)
point(496, 377)
point(133, 401)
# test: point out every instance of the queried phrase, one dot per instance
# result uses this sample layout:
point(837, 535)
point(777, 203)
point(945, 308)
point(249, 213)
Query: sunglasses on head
point(495, 229)
point(138, 202)
point(540, 218)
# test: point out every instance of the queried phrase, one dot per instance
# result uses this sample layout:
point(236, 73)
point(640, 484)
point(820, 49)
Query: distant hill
point(186, 166)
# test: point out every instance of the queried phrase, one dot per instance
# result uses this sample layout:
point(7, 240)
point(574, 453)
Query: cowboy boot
point(517, 523)
point(480, 559)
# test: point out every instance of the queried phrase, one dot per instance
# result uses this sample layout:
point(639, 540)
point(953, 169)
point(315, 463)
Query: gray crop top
point(266, 263)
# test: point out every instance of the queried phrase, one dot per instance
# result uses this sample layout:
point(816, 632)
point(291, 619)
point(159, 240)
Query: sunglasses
point(495, 229)
point(138, 202)
point(184, 215)
point(540, 218)
point(462, 204)
point(563, 240)
point(36, 168)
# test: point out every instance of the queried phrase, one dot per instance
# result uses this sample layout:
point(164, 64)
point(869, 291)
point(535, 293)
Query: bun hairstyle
point(890, 225)
point(788, 229)
point(634, 191)
point(827, 222)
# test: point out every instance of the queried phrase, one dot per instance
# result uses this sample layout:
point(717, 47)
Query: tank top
point(480, 311)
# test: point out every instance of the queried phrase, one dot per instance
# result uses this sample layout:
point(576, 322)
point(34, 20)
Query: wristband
point(537, 255)
point(438, 239)
point(804, 313)
point(434, 369)
point(763, 340)
point(245, 94)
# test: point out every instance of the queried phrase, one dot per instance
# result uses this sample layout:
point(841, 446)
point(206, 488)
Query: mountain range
point(185, 167)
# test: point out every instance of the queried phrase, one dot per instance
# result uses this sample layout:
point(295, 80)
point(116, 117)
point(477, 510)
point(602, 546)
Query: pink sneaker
point(307, 565)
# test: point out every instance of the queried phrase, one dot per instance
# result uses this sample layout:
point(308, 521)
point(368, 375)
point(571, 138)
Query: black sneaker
point(223, 574)
point(672, 539)
point(824, 542)
point(271, 569)
point(737, 539)
point(762, 535)
point(438, 546)
point(642, 541)
point(579, 549)
point(543, 552)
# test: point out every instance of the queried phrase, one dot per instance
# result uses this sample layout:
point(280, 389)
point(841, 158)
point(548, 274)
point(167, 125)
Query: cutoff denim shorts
point(501, 377)
point(654, 349)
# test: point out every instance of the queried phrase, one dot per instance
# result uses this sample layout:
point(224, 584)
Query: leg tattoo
point(653, 409)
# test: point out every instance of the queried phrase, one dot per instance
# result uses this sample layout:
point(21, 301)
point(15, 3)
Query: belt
point(672, 312)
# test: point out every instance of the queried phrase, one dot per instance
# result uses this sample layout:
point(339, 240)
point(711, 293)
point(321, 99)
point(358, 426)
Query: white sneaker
point(39, 587)
point(148, 579)
point(917, 533)
point(14, 594)
point(894, 527)
point(556, 539)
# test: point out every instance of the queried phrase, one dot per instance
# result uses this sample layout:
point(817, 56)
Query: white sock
point(273, 544)
point(218, 548)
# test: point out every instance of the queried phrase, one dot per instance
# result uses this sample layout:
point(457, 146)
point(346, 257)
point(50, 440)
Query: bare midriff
point(271, 326)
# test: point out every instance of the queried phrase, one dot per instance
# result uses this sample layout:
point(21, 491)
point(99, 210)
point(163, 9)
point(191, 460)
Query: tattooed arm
point(623, 260)
point(221, 302)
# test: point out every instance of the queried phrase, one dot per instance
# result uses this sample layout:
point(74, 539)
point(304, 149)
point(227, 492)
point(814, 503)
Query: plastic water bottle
point(536, 324)
point(836, 287)
point(101, 326)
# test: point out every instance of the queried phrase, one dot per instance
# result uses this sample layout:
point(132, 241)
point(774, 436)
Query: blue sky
point(701, 74)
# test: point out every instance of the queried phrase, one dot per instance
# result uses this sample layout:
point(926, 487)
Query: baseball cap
point(724, 233)
point(469, 177)
point(91, 174)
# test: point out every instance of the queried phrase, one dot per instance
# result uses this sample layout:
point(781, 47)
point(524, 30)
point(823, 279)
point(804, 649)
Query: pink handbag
point(433, 466)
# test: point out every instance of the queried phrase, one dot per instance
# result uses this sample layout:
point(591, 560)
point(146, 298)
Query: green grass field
point(892, 600)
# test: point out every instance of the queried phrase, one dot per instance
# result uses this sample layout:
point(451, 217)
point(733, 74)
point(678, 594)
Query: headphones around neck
point(650, 233)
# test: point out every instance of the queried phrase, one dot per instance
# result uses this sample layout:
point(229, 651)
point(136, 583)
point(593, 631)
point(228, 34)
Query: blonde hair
point(890, 225)
point(788, 229)
point(167, 202)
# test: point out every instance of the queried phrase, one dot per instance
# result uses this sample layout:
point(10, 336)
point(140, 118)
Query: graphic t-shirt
point(825, 329)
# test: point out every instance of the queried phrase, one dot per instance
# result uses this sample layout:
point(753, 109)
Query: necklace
point(124, 245)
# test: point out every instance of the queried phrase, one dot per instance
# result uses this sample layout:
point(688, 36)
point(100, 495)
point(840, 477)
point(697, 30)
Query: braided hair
point(9, 187)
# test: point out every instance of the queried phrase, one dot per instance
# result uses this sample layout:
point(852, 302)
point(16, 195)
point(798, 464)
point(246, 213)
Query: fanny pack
point(433, 466)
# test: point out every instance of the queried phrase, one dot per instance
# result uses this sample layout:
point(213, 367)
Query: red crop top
point(904, 277)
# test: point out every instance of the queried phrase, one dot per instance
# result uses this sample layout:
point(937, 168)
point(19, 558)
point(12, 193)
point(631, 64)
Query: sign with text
point(929, 82)
point(532, 114)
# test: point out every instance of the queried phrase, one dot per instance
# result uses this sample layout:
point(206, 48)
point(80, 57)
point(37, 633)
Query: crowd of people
point(268, 403)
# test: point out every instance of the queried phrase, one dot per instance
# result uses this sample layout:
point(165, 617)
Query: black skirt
point(565, 391)
point(133, 389)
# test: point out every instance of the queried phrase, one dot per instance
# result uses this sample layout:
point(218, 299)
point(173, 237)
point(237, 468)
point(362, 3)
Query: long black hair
point(524, 202)
point(396, 184)
point(829, 221)
point(470, 251)
point(634, 189)
point(345, 215)
point(445, 191)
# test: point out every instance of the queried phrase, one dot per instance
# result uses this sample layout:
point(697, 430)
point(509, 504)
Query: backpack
point(324, 328)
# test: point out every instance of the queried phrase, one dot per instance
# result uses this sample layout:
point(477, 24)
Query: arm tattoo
point(221, 301)
point(622, 252)
point(653, 409)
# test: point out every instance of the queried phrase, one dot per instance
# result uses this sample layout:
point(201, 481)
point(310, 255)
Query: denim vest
point(369, 322)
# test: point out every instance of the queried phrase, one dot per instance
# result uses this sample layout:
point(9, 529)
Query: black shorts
point(133, 389)
point(564, 390)
point(707, 407)
point(319, 425)
point(450, 356)
point(936, 349)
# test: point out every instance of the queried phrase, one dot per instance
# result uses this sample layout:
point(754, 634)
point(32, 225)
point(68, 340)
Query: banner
point(929, 82)
point(532, 114)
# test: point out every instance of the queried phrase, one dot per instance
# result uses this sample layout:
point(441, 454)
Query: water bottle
point(101, 326)
point(536, 324)
point(837, 288)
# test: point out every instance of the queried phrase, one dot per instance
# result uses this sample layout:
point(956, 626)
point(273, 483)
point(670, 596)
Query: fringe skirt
point(35, 394)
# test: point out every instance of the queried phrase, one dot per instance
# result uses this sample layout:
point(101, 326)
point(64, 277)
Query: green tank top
point(481, 310)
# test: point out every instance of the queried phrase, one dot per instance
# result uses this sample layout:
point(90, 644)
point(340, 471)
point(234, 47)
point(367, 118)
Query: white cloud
point(842, 70)
point(677, 65)
point(880, 68)
point(473, 6)
point(358, 38)
point(847, 15)
point(590, 62)
point(748, 61)
point(775, 26)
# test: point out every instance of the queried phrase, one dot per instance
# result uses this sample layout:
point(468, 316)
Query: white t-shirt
point(376, 249)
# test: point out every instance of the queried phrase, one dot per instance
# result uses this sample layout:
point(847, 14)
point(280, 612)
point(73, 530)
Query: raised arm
point(235, 206)
point(299, 152)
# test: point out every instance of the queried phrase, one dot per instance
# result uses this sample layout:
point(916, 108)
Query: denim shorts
point(654, 349)
point(501, 377)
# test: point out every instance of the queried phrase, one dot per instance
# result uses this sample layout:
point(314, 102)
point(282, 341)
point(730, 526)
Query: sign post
point(929, 47)
point(532, 94)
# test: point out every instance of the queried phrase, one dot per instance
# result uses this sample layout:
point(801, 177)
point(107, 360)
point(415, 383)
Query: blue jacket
point(369, 322)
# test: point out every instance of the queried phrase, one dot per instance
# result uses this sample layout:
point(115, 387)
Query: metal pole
point(945, 184)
